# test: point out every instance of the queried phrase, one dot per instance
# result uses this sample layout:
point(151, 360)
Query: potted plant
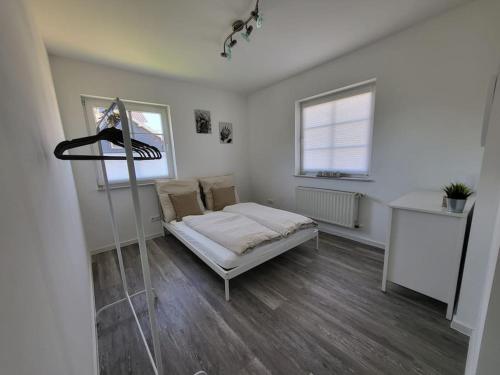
point(456, 196)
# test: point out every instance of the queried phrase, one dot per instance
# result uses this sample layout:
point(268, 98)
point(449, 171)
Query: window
point(334, 132)
point(149, 123)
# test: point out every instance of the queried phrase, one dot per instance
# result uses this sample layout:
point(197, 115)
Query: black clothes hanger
point(113, 135)
point(138, 146)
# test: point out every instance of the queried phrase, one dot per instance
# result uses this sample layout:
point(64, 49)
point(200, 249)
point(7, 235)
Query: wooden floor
point(304, 312)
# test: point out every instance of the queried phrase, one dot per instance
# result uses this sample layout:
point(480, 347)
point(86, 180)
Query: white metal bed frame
point(228, 274)
point(156, 361)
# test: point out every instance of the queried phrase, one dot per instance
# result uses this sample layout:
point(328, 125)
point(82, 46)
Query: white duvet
point(233, 231)
point(283, 222)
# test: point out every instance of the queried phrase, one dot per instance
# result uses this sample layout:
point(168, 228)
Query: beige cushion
point(166, 187)
point(185, 204)
point(223, 197)
point(208, 183)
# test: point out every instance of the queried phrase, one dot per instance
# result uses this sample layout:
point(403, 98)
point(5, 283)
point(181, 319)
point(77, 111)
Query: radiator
point(330, 206)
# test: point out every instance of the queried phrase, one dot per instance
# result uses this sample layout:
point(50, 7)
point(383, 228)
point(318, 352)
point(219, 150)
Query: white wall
point(196, 154)
point(481, 260)
point(431, 87)
point(489, 360)
point(46, 311)
point(483, 227)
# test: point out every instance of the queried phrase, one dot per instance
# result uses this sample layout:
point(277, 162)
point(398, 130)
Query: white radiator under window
point(331, 206)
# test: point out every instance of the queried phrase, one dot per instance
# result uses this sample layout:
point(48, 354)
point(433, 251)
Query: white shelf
point(424, 245)
point(430, 202)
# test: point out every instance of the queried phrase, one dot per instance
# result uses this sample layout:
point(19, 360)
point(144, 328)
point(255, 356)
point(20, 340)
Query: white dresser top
point(429, 202)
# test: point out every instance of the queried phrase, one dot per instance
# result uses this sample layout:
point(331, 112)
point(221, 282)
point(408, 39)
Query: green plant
point(113, 118)
point(457, 191)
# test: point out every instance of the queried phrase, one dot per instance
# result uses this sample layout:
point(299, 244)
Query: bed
point(225, 262)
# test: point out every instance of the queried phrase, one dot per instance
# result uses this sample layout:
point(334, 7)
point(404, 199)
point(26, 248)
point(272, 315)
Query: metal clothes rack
point(155, 356)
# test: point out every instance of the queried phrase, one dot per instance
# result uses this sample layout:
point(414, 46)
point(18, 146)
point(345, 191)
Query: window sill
point(126, 185)
point(361, 179)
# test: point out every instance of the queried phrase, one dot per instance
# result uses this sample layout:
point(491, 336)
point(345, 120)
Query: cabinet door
point(424, 252)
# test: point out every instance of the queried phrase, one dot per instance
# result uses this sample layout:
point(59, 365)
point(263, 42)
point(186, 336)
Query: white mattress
point(225, 257)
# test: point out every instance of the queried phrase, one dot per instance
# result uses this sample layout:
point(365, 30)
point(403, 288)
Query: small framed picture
point(226, 132)
point(203, 121)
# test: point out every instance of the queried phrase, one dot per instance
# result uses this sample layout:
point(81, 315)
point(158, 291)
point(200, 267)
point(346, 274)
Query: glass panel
point(146, 122)
point(111, 148)
point(347, 160)
point(155, 140)
point(113, 119)
point(351, 134)
point(353, 108)
point(342, 135)
point(116, 169)
point(145, 170)
point(317, 137)
point(146, 127)
point(316, 160)
point(152, 168)
point(350, 160)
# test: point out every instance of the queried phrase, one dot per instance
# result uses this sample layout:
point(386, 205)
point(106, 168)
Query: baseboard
point(123, 243)
point(360, 239)
point(461, 327)
point(352, 237)
point(95, 342)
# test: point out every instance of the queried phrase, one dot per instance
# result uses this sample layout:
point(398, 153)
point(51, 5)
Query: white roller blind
point(336, 131)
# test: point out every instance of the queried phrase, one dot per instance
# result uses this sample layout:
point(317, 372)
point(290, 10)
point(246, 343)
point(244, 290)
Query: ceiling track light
point(238, 26)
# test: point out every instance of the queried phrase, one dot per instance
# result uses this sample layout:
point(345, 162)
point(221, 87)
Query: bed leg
point(317, 241)
point(226, 287)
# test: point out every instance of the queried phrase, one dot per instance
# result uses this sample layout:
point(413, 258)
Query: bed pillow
point(166, 187)
point(185, 204)
point(209, 183)
point(222, 197)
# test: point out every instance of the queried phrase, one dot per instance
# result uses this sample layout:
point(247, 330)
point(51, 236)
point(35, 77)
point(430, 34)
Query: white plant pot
point(455, 205)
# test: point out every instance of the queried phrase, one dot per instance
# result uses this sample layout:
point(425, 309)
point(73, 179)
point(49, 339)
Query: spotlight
point(246, 35)
point(258, 21)
point(227, 52)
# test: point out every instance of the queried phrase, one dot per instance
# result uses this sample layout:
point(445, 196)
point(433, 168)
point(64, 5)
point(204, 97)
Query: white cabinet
point(424, 245)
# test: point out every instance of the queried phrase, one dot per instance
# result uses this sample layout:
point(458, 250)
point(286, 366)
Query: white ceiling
point(184, 38)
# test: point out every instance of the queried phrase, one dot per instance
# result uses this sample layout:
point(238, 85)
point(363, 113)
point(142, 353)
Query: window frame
point(299, 172)
point(91, 101)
